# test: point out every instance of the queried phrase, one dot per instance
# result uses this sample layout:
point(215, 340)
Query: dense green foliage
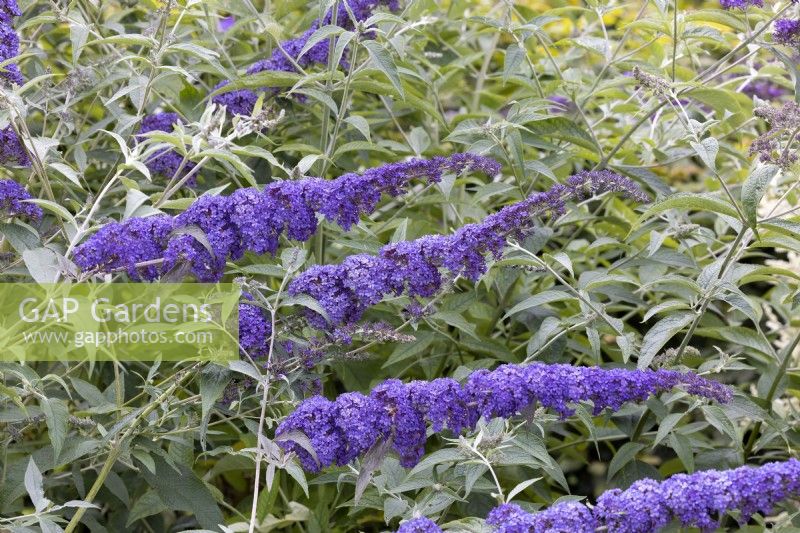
point(704, 278)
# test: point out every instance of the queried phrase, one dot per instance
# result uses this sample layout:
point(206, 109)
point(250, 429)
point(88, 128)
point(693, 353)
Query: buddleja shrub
point(521, 266)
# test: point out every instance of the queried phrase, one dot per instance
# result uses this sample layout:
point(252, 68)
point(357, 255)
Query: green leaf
point(522, 485)
point(707, 149)
point(56, 415)
point(660, 334)
point(384, 61)
point(683, 448)
point(128, 39)
point(404, 351)
point(624, 455)
point(666, 425)
point(720, 420)
point(563, 129)
point(55, 208)
point(753, 190)
point(321, 34)
point(513, 59)
point(355, 146)
point(268, 78)
point(689, 202)
point(181, 490)
point(544, 297)
point(213, 380)
point(148, 505)
point(42, 264)
point(360, 124)
point(34, 485)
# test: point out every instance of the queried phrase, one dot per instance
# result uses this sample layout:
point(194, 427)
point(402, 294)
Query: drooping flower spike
point(12, 152)
point(348, 427)
point(9, 42)
point(13, 204)
point(740, 4)
point(288, 53)
point(787, 31)
point(566, 517)
point(419, 525)
point(217, 228)
point(165, 162)
point(414, 268)
point(699, 500)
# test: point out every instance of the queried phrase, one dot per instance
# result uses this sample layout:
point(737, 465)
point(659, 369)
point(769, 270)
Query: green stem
point(116, 449)
point(773, 389)
point(637, 432)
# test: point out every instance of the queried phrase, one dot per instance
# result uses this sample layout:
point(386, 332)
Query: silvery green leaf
point(34, 486)
point(657, 336)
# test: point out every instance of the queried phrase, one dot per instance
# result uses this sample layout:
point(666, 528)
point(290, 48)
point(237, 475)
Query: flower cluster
point(740, 4)
point(166, 162)
point(419, 525)
point(289, 54)
point(566, 517)
point(9, 42)
point(773, 146)
point(764, 89)
point(217, 228)
point(122, 246)
point(255, 329)
point(346, 290)
point(12, 201)
point(698, 500)
point(343, 429)
point(787, 31)
point(12, 152)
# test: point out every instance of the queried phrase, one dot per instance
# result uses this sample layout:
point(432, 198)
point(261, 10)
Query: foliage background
point(450, 76)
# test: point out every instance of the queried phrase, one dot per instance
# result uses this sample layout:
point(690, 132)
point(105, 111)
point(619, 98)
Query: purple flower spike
point(700, 500)
point(255, 329)
point(215, 229)
point(121, 245)
point(419, 525)
point(13, 204)
point(787, 31)
point(740, 4)
point(9, 42)
point(12, 152)
point(567, 517)
point(415, 267)
point(342, 430)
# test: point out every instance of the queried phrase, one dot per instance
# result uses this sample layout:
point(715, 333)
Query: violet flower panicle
point(740, 4)
point(787, 32)
point(9, 42)
point(415, 267)
point(217, 228)
point(700, 500)
point(12, 152)
point(13, 203)
point(419, 525)
point(348, 427)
